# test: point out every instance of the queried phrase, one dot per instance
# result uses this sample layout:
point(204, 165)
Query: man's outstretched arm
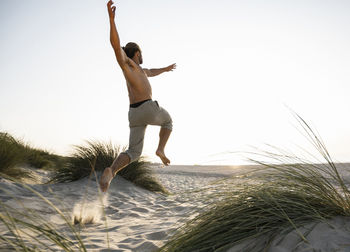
point(156, 71)
point(114, 37)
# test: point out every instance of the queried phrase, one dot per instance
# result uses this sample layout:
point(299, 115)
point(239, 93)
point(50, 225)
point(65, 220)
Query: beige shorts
point(148, 113)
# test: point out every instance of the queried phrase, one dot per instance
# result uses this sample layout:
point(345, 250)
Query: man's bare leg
point(163, 138)
point(119, 163)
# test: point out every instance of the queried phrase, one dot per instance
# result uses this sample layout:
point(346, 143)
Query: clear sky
point(240, 63)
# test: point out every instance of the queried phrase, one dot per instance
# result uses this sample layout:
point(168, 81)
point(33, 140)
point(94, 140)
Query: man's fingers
point(111, 9)
point(110, 2)
point(171, 67)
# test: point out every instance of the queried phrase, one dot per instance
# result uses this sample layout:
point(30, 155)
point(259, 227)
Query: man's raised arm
point(156, 71)
point(114, 37)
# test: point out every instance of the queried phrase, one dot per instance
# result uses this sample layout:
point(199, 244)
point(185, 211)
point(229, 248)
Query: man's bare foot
point(162, 156)
point(106, 179)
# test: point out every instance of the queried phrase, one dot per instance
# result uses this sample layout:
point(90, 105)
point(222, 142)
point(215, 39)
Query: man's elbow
point(115, 44)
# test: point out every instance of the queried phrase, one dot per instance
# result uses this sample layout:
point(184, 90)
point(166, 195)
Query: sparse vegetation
point(15, 155)
point(289, 194)
point(102, 155)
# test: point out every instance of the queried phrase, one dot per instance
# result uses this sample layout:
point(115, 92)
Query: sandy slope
point(139, 220)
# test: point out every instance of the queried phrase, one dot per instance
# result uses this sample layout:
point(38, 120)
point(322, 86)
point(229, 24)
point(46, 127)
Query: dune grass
point(288, 194)
point(103, 155)
point(15, 154)
point(9, 155)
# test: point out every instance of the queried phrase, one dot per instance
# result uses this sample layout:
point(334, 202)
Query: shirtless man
point(143, 110)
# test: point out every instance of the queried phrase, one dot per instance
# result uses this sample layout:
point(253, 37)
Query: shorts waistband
point(137, 104)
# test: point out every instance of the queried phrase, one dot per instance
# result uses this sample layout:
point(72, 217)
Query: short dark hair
point(130, 49)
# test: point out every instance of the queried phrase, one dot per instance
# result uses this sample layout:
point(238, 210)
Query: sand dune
point(134, 219)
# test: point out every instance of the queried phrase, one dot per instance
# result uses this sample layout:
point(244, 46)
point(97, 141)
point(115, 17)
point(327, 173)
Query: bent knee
point(168, 124)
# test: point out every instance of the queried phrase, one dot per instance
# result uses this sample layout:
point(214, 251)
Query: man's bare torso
point(137, 82)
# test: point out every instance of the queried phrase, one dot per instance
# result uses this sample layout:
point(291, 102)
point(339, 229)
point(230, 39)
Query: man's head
point(133, 51)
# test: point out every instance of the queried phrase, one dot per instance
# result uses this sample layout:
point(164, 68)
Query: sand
point(139, 220)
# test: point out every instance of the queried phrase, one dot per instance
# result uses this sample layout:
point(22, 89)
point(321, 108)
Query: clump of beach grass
point(102, 155)
point(9, 155)
point(15, 155)
point(289, 193)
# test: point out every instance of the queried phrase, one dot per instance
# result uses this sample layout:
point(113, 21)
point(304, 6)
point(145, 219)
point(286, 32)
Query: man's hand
point(170, 68)
point(111, 9)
